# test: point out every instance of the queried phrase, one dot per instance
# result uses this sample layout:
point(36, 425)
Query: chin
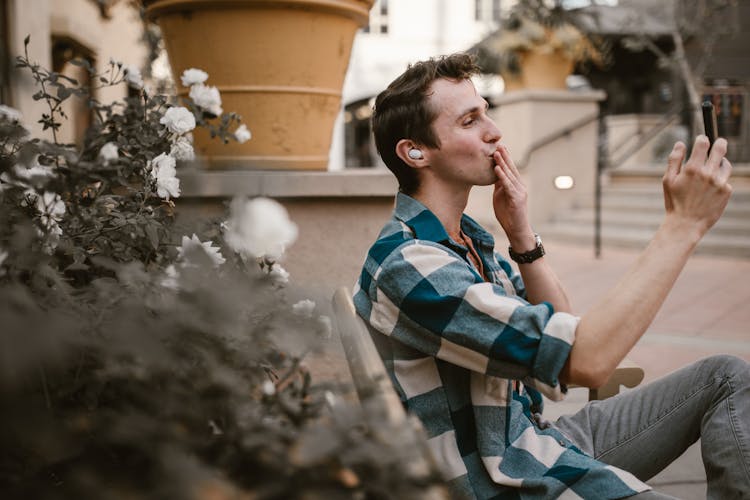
point(486, 182)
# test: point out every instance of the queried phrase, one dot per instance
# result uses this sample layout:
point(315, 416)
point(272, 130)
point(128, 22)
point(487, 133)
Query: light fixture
point(563, 182)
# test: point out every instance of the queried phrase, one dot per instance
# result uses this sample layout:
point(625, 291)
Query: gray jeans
point(644, 430)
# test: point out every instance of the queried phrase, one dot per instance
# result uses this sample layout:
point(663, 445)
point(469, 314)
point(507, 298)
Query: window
point(728, 102)
point(359, 144)
point(378, 18)
point(488, 10)
point(496, 10)
point(64, 50)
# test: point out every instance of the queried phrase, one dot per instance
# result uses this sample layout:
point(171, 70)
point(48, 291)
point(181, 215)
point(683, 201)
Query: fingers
point(505, 162)
point(675, 159)
point(505, 155)
point(725, 170)
point(674, 166)
point(503, 181)
point(717, 164)
point(700, 152)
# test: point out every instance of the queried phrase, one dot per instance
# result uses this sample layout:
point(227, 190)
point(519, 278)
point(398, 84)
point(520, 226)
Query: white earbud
point(415, 154)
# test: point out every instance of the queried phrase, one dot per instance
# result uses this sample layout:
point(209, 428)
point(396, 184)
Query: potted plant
point(279, 64)
point(537, 46)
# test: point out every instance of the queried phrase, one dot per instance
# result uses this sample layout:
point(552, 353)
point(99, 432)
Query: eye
point(469, 121)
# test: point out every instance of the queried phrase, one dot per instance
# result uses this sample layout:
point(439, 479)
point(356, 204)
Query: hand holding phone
point(709, 121)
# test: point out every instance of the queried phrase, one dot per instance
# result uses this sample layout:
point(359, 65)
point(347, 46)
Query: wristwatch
point(531, 255)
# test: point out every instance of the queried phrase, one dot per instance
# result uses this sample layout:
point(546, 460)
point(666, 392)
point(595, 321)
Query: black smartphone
point(709, 121)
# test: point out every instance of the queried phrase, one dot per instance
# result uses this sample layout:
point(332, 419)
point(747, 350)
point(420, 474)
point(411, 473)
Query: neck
point(447, 204)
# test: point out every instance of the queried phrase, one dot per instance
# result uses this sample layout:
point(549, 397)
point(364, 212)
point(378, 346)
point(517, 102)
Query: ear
point(404, 147)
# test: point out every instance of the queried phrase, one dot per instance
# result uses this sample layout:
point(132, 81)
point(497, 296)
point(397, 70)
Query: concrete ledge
point(374, 182)
point(549, 95)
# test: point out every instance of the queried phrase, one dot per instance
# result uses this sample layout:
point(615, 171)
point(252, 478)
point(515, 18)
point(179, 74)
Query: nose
point(492, 133)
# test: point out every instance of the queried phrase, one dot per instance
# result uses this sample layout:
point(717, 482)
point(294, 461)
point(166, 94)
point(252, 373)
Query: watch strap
point(531, 255)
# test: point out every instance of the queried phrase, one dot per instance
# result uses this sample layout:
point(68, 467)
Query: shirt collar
point(427, 226)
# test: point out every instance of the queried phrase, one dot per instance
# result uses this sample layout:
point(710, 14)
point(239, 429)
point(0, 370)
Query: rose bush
point(139, 362)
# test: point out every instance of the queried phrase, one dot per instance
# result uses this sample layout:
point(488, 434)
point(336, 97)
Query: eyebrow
point(475, 109)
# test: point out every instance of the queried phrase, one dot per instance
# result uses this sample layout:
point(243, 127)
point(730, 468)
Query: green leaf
point(69, 79)
point(63, 92)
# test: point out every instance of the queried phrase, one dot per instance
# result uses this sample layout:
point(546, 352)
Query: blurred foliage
point(129, 370)
point(539, 25)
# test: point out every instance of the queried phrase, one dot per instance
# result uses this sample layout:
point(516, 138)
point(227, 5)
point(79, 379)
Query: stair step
point(656, 171)
point(639, 206)
point(729, 245)
point(633, 208)
point(624, 220)
point(740, 194)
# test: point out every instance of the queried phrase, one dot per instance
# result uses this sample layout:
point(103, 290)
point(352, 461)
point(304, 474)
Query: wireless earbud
point(415, 154)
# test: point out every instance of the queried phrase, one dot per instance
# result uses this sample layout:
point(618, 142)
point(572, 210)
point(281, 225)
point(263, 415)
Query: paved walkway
point(708, 312)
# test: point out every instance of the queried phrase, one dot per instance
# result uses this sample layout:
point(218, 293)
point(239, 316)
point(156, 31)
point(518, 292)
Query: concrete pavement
point(707, 312)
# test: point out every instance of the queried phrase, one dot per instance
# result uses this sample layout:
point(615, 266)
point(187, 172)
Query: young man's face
point(468, 137)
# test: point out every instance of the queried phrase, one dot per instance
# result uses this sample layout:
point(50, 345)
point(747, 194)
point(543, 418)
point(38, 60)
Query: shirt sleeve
point(428, 298)
point(514, 276)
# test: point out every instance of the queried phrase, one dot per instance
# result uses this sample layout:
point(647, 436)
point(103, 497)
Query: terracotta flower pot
point(278, 63)
point(540, 70)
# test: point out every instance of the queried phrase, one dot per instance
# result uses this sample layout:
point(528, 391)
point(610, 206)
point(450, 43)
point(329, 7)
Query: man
point(470, 345)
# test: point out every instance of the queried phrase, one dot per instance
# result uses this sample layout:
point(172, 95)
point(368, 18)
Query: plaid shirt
point(470, 359)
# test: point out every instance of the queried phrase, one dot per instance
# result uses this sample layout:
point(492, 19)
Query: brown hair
point(402, 111)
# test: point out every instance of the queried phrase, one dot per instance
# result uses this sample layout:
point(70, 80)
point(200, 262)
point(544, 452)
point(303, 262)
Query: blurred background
point(590, 96)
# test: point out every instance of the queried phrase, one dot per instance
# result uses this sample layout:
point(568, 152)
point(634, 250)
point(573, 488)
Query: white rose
point(304, 308)
point(325, 327)
point(10, 114)
point(192, 76)
point(109, 152)
point(242, 134)
point(206, 98)
point(278, 274)
point(133, 77)
point(182, 149)
point(259, 228)
point(52, 238)
point(164, 171)
point(192, 244)
point(171, 278)
point(52, 208)
point(178, 120)
point(36, 172)
point(268, 388)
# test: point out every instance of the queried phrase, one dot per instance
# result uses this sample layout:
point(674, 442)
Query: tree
point(696, 28)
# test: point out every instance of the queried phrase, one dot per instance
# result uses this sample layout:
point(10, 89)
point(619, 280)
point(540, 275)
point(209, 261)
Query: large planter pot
point(280, 64)
point(540, 70)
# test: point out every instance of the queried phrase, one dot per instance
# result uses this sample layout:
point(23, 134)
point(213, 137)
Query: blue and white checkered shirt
point(470, 358)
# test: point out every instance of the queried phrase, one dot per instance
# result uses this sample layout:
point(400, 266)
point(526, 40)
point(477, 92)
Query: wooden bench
point(627, 374)
point(381, 406)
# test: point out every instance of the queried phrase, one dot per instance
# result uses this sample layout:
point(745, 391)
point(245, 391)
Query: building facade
point(60, 31)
